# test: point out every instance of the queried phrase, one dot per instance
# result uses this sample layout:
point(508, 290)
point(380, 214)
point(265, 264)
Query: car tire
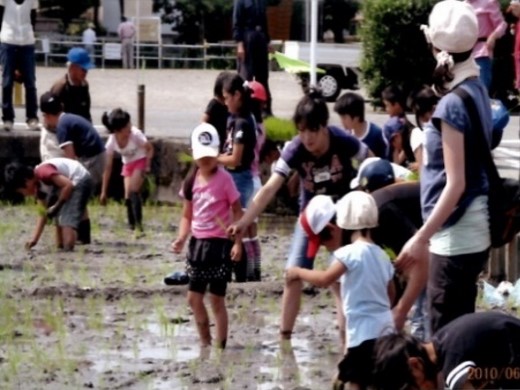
point(330, 85)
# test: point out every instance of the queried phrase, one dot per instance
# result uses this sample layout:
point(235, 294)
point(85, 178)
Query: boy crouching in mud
point(366, 287)
point(63, 175)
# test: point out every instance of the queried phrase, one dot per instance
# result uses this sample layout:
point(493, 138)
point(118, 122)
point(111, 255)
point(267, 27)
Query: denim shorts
point(298, 250)
point(244, 183)
point(74, 208)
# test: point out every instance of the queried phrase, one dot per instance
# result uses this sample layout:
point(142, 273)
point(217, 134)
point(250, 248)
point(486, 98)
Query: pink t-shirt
point(490, 20)
point(212, 205)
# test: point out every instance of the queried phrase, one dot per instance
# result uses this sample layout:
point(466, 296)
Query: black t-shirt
point(75, 98)
point(399, 214)
point(76, 130)
point(241, 131)
point(217, 117)
point(483, 348)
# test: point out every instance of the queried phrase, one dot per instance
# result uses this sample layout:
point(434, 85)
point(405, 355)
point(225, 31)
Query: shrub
point(395, 51)
point(278, 129)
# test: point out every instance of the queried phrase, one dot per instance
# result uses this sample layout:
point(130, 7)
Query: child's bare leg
point(59, 237)
point(291, 298)
point(218, 305)
point(339, 315)
point(69, 237)
point(196, 302)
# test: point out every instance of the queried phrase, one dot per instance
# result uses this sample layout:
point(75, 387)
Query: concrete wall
point(168, 170)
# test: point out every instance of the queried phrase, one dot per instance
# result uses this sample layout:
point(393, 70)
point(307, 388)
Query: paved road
point(176, 98)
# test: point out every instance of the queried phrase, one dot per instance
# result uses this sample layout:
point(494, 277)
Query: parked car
point(339, 61)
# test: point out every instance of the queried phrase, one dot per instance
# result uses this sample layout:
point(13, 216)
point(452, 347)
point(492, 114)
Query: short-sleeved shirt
point(374, 139)
point(451, 110)
point(241, 131)
point(16, 25)
point(211, 204)
point(416, 139)
point(77, 131)
point(473, 344)
point(217, 117)
point(134, 149)
point(75, 98)
point(364, 291)
point(71, 169)
point(329, 174)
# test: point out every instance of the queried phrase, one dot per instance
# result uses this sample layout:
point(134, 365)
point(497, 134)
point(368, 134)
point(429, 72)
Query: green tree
point(394, 48)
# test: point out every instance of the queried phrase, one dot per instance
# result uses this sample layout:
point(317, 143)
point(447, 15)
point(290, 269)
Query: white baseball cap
point(452, 26)
point(357, 210)
point(316, 215)
point(205, 141)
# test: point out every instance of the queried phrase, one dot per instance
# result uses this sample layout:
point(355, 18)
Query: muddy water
point(102, 318)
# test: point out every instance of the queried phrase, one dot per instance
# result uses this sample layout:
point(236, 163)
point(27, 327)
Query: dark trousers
point(452, 286)
point(256, 62)
point(22, 58)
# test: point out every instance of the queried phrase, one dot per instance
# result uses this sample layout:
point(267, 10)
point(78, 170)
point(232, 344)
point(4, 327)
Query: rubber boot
point(130, 214)
point(84, 232)
point(240, 268)
point(137, 207)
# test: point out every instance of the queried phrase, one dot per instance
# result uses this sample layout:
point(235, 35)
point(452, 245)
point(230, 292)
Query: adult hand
point(30, 244)
point(103, 199)
point(291, 274)
point(54, 210)
point(240, 51)
point(177, 245)
point(399, 318)
point(415, 249)
point(236, 252)
point(236, 228)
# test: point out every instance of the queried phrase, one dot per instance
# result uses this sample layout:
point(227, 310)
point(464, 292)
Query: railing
point(157, 55)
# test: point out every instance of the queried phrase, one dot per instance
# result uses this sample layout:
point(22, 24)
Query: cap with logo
point(314, 218)
point(374, 173)
point(205, 141)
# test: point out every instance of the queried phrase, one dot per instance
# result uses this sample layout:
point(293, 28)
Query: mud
point(102, 318)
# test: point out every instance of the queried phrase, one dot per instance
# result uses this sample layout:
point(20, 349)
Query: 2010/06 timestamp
point(494, 373)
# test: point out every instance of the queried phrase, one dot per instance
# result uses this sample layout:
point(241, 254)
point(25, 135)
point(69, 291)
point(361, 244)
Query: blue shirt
point(364, 291)
point(451, 110)
point(76, 130)
point(329, 174)
point(375, 141)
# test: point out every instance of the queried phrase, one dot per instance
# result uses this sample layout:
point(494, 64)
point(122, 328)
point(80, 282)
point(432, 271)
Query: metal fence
point(53, 50)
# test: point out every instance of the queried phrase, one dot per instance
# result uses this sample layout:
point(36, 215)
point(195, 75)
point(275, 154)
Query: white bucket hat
point(453, 26)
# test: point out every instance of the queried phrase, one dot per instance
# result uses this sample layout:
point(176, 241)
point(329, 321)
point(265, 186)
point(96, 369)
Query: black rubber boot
point(130, 214)
point(84, 232)
point(137, 208)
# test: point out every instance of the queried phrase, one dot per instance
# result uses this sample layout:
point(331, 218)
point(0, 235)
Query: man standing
point(17, 19)
point(73, 89)
point(252, 37)
point(89, 38)
point(126, 32)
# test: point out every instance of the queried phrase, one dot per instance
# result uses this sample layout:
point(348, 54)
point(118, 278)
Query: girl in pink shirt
point(211, 203)
point(136, 153)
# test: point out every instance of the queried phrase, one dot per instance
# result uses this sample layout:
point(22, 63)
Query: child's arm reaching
point(317, 277)
point(236, 251)
point(40, 226)
point(184, 228)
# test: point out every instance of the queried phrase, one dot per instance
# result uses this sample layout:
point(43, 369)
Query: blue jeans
point(486, 70)
point(22, 58)
point(244, 182)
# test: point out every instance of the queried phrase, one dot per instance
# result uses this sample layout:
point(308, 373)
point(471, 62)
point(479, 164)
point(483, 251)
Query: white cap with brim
point(205, 141)
point(357, 210)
